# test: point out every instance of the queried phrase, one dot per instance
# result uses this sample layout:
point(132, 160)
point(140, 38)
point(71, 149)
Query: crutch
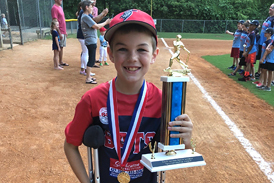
point(93, 138)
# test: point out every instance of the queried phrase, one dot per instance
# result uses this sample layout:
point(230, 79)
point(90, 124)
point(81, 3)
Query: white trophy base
point(162, 162)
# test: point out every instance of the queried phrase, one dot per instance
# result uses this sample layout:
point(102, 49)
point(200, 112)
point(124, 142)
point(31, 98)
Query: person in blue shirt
point(103, 47)
point(235, 51)
point(250, 51)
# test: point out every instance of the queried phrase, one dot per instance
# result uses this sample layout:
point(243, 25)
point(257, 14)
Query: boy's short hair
point(133, 17)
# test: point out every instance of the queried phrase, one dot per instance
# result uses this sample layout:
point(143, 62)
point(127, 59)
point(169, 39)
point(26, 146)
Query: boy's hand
point(261, 61)
point(245, 54)
point(183, 125)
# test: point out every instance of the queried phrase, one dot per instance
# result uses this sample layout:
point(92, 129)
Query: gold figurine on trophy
point(178, 44)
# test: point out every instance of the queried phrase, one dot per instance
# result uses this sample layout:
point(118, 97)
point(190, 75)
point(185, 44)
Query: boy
point(268, 56)
point(242, 62)
point(235, 50)
point(263, 77)
point(103, 47)
point(250, 51)
point(133, 47)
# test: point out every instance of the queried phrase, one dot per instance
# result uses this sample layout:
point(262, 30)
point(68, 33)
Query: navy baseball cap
point(241, 21)
point(255, 22)
point(270, 31)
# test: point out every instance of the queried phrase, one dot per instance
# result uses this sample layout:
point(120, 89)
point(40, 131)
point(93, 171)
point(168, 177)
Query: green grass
point(224, 61)
point(195, 36)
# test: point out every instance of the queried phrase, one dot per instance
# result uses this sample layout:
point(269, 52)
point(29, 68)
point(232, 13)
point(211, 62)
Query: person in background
point(263, 77)
point(235, 50)
point(103, 47)
point(4, 24)
point(242, 62)
point(55, 44)
point(269, 22)
point(95, 9)
point(57, 14)
point(89, 29)
point(250, 51)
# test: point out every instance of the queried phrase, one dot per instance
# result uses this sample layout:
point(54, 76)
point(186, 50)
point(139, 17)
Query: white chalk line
point(263, 165)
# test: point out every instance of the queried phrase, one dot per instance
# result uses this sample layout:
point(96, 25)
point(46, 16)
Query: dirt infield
point(37, 102)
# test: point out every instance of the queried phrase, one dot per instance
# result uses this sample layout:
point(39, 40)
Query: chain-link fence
point(25, 19)
point(31, 19)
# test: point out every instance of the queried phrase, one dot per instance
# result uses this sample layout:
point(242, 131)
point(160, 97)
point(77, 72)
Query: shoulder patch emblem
point(103, 115)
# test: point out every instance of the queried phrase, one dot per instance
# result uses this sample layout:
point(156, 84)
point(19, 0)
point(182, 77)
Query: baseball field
point(234, 130)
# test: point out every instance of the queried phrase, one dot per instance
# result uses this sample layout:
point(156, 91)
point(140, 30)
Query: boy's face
point(252, 27)
point(267, 35)
point(132, 54)
point(239, 26)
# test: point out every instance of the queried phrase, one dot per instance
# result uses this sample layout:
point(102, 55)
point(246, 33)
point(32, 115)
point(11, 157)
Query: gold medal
point(123, 177)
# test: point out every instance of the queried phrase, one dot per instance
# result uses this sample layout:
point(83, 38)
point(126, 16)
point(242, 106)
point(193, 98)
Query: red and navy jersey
point(264, 46)
point(269, 22)
point(251, 41)
point(92, 109)
point(242, 40)
point(270, 56)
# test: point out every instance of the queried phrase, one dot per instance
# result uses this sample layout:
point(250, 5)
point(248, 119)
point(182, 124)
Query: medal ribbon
point(136, 119)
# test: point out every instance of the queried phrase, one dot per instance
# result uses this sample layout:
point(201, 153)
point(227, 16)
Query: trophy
point(172, 153)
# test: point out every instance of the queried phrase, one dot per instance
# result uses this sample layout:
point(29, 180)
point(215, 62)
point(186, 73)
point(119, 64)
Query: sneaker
point(83, 72)
point(106, 64)
point(252, 79)
point(232, 74)
point(101, 64)
point(231, 67)
point(240, 71)
point(267, 88)
point(242, 79)
point(234, 68)
point(256, 83)
point(257, 75)
point(259, 85)
point(272, 83)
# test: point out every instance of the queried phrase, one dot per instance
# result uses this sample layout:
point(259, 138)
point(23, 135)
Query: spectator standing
point(89, 29)
point(57, 14)
point(55, 44)
point(4, 23)
point(95, 9)
point(103, 47)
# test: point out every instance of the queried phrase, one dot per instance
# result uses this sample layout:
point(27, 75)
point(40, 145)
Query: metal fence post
point(8, 17)
point(204, 27)
point(39, 17)
point(19, 19)
point(161, 25)
point(183, 25)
